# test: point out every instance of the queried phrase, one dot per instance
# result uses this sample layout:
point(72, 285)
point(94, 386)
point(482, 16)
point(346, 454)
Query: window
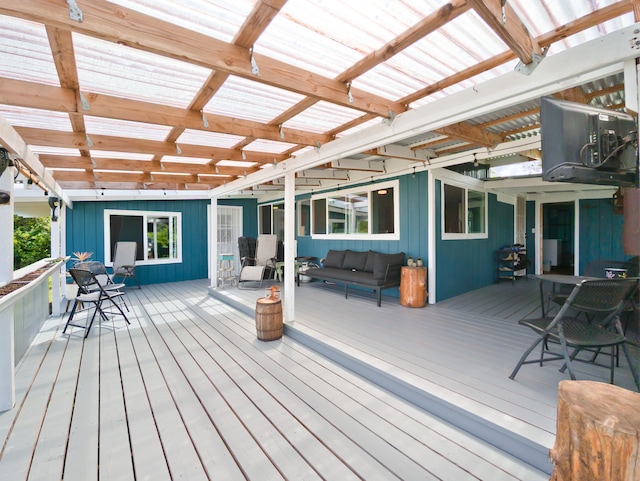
point(158, 235)
point(359, 212)
point(271, 219)
point(464, 213)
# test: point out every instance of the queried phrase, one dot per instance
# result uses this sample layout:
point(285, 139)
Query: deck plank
point(49, 454)
point(146, 446)
point(115, 459)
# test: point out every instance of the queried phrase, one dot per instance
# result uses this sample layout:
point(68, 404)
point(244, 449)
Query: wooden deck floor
point(452, 359)
point(188, 392)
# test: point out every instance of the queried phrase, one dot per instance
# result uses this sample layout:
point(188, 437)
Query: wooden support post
point(598, 433)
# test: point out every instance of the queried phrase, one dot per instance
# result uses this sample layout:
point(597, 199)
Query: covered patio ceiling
point(174, 95)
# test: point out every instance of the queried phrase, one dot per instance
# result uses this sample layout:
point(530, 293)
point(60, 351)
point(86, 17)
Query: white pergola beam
point(11, 140)
point(401, 152)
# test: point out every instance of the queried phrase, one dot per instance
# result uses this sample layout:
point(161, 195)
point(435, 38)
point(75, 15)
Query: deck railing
point(22, 314)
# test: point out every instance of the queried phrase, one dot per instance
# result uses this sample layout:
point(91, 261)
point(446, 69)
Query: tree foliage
point(31, 240)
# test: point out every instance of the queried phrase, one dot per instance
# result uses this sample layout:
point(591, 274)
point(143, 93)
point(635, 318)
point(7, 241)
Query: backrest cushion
point(354, 261)
point(334, 259)
point(381, 262)
point(371, 258)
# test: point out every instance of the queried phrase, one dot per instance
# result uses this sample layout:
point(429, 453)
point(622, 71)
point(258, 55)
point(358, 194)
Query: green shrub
point(31, 240)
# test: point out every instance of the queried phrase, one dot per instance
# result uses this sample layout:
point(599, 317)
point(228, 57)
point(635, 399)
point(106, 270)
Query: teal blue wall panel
point(600, 232)
point(465, 265)
point(85, 232)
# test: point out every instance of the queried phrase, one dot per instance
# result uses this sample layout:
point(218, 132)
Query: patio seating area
point(187, 390)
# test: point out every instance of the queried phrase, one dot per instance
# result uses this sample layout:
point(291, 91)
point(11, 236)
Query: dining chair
point(91, 292)
point(601, 301)
point(103, 278)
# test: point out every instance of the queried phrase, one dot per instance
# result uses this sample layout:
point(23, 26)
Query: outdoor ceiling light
point(54, 203)
point(5, 162)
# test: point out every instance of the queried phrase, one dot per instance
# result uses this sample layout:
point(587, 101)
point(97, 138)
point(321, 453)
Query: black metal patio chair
point(91, 292)
point(601, 301)
point(103, 278)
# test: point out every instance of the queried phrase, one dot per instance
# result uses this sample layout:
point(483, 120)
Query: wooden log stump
point(413, 286)
point(598, 433)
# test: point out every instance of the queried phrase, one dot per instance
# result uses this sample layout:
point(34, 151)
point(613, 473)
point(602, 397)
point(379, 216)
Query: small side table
point(413, 286)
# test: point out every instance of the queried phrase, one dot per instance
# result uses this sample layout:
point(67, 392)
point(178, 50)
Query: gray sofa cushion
point(382, 260)
point(344, 275)
point(371, 257)
point(354, 260)
point(334, 259)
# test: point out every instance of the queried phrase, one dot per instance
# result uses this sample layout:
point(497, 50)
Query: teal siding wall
point(413, 228)
point(464, 265)
point(249, 214)
point(600, 232)
point(85, 232)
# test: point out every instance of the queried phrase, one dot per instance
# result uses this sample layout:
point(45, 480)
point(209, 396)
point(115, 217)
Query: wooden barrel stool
point(269, 319)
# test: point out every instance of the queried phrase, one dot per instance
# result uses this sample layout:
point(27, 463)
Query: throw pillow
point(381, 262)
point(371, 257)
point(354, 261)
point(334, 259)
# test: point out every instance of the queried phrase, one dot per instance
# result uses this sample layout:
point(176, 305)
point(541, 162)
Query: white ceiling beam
point(373, 164)
point(402, 152)
point(587, 62)
point(324, 174)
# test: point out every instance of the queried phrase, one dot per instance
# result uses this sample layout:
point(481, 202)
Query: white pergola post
point(289, 245)
point(213, 242)
point(56, 251)
point(7, 361)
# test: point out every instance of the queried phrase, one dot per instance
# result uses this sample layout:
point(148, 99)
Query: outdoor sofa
point(368, 270)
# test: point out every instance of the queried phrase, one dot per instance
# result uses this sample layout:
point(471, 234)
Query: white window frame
point(299, 226)
point(463, 235)
point(395, 235)
point(145, 214)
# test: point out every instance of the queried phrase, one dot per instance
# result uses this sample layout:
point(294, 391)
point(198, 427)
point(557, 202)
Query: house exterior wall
point(465, 265)
point(85, 232)
point(600, 232)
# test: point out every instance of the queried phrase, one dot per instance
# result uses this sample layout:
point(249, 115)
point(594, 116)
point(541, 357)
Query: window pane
point(337, 215)
point(304, 217)
point(265, 219)
point(278, 221)
point(158, 246)
point(358, 213)
point(453, 209)
point(383, 216)
point(126, 228)
point(475, 212)
point(320, 216)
